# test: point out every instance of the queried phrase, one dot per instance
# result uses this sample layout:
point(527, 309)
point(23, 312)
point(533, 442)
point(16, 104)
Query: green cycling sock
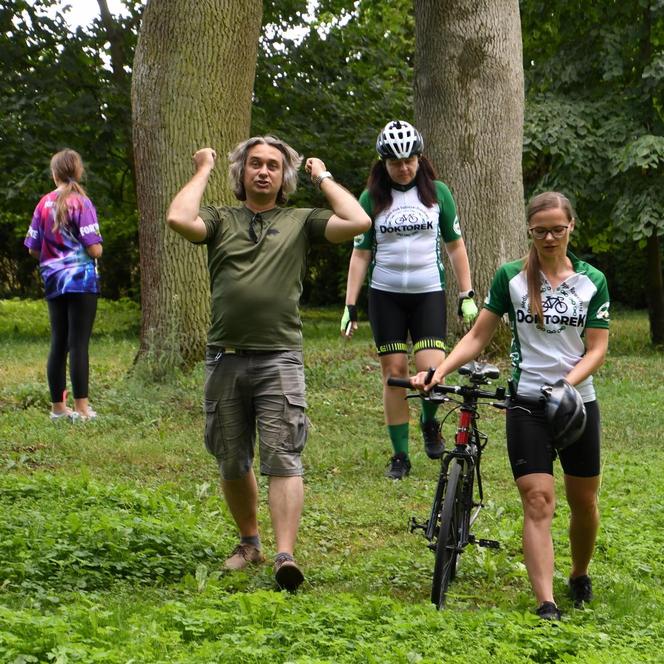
point(399, 437)
point(429, 409)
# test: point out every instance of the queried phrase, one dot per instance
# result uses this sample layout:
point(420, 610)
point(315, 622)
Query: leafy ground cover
point(113, 532)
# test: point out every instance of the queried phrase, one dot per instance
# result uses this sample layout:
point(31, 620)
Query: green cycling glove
point(467, 309)
point(350, 316)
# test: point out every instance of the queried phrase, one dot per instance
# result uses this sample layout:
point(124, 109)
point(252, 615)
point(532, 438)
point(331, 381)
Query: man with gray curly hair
point(254, 367)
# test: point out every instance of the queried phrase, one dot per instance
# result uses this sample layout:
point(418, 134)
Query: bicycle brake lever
point(519, 407)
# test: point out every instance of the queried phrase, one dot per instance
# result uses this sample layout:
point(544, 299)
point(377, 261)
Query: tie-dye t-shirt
point(63, 262)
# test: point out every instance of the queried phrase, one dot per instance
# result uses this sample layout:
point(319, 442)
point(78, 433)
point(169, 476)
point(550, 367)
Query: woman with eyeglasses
point(558, 309)
point(413, 217)
point(64, 237)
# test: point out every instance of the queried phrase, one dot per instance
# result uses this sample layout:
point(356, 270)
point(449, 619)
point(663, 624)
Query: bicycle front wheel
point(447, 545)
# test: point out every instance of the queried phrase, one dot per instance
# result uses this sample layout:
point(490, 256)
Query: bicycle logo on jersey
point(406, 221)
point(555, 302)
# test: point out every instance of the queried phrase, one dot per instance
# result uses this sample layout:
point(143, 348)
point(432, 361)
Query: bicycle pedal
point(489, 544)
point(415, 525)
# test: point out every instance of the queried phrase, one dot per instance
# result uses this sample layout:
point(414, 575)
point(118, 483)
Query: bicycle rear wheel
point(447, 545)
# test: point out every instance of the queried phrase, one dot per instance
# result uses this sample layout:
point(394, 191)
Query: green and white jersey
point(544, 354)
point(405, 240)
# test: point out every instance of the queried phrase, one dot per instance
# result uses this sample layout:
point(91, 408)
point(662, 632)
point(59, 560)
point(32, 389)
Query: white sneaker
point(75, 416)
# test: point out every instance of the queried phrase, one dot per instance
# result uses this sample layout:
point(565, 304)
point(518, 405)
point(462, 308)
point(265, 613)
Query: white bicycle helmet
point(565, 413)
point(399, 140)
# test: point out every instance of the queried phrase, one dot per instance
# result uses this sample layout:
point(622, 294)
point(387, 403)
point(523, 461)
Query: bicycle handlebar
point(461, 390)
point(472, 393)
point(399, 382)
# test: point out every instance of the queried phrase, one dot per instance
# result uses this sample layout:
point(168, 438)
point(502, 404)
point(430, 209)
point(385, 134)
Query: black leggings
point(72, 316)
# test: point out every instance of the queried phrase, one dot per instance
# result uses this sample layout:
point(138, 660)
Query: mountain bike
point(459, 495)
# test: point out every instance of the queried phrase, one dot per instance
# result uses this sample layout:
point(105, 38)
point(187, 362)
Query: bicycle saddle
point(479, 372)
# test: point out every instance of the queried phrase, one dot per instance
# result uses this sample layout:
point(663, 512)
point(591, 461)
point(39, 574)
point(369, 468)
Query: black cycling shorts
point(531, 451)
point(394, 315)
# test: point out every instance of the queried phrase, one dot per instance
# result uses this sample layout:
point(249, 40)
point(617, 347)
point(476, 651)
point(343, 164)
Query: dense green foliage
point(595, 124)
point(57, 91)
point(113, 532)
point(326, 86)
point(595, 76)
point(327, 82)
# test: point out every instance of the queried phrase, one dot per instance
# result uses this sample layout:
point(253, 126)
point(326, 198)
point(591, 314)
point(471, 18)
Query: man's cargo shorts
point(247, 391)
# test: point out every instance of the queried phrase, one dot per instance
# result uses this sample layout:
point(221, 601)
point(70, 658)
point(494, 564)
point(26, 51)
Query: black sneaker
point(434, 445)
point(548, 611)
point(399, 467)
point(580, 590)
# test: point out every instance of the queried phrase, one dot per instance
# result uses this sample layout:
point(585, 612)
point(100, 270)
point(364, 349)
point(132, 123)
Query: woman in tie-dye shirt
point(64, 237)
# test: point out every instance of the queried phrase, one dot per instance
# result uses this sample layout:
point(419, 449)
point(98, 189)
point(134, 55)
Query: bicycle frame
point(468, 447)
point(457, 503)
point(455, 509)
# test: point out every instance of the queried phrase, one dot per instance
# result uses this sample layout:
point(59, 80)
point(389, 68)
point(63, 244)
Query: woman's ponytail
point(67, 169)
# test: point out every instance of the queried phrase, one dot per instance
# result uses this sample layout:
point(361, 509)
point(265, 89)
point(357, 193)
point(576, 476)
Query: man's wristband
point(319, 178)
point(466, 294)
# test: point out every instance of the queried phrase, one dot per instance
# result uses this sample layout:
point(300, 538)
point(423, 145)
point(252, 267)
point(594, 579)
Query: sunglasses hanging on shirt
point(256, 227)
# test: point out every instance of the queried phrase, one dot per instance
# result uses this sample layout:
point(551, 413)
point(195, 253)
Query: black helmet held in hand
point(565, 413)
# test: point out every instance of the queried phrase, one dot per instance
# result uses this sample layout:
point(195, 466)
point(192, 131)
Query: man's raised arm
point(182, 215)
point(349, 218)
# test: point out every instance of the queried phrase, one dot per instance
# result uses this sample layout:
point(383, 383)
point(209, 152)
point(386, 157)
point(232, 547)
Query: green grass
point(113, 533)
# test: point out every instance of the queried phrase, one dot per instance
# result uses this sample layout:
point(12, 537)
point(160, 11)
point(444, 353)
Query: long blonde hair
point(548, 200)
point(67, 169)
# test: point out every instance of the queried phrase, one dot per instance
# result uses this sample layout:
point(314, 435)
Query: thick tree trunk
point(654, 281)
point(469, 100)
point(655, 286)
point(192, 85)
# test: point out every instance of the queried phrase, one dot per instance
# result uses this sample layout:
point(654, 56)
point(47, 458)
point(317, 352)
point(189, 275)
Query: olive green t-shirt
point(256, 281)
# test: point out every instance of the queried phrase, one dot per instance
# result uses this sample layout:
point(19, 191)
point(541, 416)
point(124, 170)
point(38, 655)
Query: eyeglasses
point(539, 232)
point(256, 227)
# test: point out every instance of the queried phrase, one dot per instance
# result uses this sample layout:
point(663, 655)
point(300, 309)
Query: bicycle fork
point(429, 527)
point(462, 437)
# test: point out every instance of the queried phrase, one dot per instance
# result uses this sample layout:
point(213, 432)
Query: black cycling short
point(531, 451)
point(394, 315)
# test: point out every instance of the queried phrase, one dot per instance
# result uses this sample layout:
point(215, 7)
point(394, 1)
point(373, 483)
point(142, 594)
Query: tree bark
point(655, 285)
point(114, 36)
point(192, 86)
point(469, 102)
point(654, 281)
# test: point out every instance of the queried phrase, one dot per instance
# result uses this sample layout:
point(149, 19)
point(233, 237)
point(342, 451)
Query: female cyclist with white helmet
point(413, 216)
point(558, 307)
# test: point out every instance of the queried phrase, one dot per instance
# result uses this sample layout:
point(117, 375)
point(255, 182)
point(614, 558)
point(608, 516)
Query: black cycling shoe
point(434, 445)
point(580, 590)
point(399, 467)
point(548, 611)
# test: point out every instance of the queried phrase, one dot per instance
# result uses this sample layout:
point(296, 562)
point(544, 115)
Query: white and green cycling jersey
point(542, 354)
point(405, 240)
